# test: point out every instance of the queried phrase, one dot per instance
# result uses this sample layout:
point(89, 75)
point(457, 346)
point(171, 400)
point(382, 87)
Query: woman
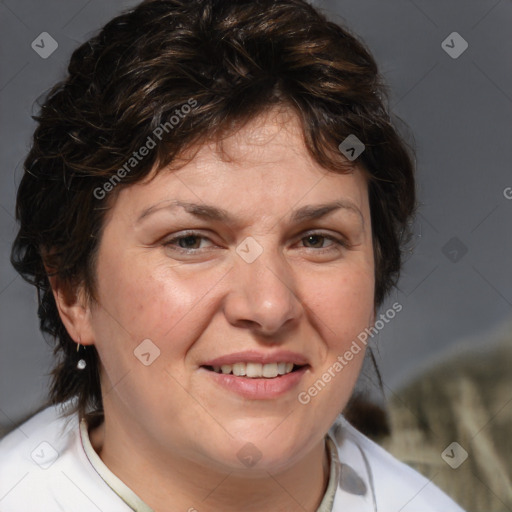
point(212, 213)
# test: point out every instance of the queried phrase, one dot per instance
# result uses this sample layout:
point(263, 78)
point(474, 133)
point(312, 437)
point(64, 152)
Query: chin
point(259, 452)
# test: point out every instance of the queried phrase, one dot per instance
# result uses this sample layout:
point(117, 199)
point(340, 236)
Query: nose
point(262, 296)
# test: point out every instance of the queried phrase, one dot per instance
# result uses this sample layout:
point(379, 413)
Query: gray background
point(459, 111)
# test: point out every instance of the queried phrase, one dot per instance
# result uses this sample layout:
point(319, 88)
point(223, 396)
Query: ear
point(74, 310)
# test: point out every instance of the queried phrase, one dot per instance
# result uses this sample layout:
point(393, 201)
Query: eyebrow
point(305, 213)
point(317, 211)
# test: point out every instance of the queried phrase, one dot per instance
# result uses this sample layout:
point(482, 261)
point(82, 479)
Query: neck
point(176, 484)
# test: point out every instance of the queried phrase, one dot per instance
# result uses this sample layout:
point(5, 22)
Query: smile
point(257, 381)
point(255, 370)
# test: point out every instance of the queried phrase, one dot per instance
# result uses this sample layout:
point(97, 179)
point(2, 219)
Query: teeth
point(255, 370)
point(239, 369)
point(270, 370)
point(281, 368)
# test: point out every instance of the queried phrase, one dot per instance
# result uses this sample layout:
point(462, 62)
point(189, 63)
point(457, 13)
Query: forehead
point(262, 168)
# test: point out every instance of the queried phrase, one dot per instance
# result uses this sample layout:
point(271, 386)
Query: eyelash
point(193, 234)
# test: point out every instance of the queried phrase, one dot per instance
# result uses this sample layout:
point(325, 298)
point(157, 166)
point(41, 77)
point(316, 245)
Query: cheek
point(343, 304)
point(343, 307)
point(159, 303)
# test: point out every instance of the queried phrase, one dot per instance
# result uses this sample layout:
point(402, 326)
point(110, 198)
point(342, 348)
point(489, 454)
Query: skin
point(170, 433)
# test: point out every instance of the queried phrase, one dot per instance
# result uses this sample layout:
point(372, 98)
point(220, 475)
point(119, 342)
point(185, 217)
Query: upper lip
point(250, 356)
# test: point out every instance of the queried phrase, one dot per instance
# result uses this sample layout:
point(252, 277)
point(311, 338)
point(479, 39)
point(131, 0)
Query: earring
point(81, 363)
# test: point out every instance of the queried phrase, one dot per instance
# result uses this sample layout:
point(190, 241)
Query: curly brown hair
point(230, 60)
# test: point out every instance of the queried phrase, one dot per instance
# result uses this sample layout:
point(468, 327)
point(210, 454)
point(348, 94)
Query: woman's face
point(262, 257)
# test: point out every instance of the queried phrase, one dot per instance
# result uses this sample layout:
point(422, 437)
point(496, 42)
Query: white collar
point(347, 485)
point(115, 483)
point(355, 490)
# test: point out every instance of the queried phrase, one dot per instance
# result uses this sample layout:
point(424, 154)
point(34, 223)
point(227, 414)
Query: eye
point(317, 241)
point(187, 242)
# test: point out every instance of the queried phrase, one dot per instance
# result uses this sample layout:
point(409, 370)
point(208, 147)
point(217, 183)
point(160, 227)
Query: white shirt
point(49, 465)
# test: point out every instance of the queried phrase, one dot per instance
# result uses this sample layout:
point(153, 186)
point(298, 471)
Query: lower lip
point(259, 388)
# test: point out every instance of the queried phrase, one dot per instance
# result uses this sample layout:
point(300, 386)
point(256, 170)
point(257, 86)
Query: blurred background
point(448, 66)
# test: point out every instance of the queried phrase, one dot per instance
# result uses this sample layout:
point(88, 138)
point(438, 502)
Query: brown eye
point(315, 241)
point(320, 243)
point(188, 242)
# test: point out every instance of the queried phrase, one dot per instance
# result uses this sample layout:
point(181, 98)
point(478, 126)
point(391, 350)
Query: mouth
point(252, 370)
point(254, 380)
point(257, 375)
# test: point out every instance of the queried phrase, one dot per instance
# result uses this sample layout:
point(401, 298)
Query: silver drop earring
point(81, 362)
